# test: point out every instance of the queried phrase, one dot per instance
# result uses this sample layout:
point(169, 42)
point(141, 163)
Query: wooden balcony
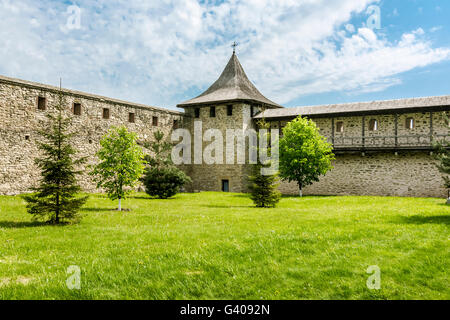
point(387, 143)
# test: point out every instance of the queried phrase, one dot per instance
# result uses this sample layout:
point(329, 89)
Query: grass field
point(217, 246)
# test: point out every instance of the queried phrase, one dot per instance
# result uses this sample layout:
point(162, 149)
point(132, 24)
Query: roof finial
point(234, 45)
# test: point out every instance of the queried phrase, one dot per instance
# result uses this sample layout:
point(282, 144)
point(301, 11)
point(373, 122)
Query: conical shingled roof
point(232, 85)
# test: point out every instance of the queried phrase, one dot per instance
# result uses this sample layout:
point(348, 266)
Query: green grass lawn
point(217, 246)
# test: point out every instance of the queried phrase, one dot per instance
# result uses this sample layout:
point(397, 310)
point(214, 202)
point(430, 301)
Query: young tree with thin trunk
point(443, 155)
point(305, 154)
point(263, 187)
point(121, 163)
point(55, 199)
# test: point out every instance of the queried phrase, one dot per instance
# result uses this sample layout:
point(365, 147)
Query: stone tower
point(230, 103)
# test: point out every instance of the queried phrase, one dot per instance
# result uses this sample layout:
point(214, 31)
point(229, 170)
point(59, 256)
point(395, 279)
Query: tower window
point(373, 125)
point(105, 113)
point(212, 112)
point(77, 109)
point(252, 111)
point(42, 103)
point(155, 121)
point(409, 123)
point(175, 124)
point(340, 126)
point(197, 112)
point(229, 110)
point(131, 117)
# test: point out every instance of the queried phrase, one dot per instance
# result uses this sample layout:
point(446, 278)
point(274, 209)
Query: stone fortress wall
point(407, 174)
point(381, 172)
point(20, 118)
point(411, 173)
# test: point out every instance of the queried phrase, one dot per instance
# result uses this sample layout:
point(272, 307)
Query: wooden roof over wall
point(412, 105)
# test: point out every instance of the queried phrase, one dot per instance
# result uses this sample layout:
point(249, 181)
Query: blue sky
point(399, 17)
point(302, 52)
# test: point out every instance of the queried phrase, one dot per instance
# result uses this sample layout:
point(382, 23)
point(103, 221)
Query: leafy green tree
point(55, 199)
point(263, 188)
point(121, 163)
point(305, 154)
point(164, 182)
point(162, 179)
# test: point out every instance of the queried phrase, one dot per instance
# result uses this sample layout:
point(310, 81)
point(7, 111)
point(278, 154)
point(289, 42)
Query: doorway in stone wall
point(225, 185)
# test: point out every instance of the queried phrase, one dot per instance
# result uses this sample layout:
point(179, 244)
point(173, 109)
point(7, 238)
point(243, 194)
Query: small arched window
point(409, 124)
point(340, 126)
point(373, 125)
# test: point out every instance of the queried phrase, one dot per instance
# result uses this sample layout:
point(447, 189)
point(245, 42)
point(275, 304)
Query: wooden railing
point(424, 141)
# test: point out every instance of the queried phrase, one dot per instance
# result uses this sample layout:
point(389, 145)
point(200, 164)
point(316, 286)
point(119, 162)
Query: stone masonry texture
point(20, 119)
point(384, 172)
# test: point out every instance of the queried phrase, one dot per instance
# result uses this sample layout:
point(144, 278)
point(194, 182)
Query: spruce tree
point(55, 199)
point(162, 178)
point(443, 155)
point(263, 188)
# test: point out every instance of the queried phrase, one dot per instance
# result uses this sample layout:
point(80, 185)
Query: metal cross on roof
point(234, 45)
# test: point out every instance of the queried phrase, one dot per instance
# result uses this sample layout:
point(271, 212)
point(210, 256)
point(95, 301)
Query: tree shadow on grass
point(291, 196)
point(418, 219)
point(104, 210)
point(22, 224)
point(93, 209)
point(229, 206)
point(140, 197)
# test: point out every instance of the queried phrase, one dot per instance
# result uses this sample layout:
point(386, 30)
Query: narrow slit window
point(105, 113)
point(155, 121)
point(42, 103)
point(229, 110)
point(212, 112)
point(77, 109)
point(409, 123)
point(131, 117)
point(339, 127)
point(197, 112)
point(373, 125)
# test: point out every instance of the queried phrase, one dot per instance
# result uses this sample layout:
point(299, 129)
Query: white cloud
point(435, 29)
point(350, 28)
point(155, 52)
